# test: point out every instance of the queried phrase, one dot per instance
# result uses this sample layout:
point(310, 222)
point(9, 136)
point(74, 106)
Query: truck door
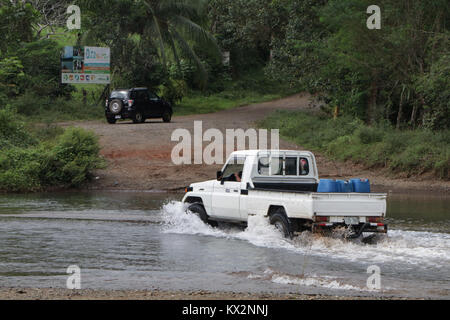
point(227, 192)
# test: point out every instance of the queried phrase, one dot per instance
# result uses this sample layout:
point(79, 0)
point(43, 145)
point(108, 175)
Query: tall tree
point(167, 25)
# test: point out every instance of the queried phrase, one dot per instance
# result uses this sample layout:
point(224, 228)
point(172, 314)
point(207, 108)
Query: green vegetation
point(411, 152)
point(199, 103)
point(39, 157)
point(399, 73)
point(254, 87)
point(395, 77)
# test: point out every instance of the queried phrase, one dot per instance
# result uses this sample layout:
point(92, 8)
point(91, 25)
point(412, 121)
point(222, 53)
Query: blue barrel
point(361, 185)
point(344, 186)
point(327, 185)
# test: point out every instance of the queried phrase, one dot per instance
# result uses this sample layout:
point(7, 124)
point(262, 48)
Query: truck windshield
point(234, 167)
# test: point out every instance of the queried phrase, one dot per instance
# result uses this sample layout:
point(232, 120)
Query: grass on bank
point(405, 152)
point(198, 103)
point(36, 108)
point(253, 87)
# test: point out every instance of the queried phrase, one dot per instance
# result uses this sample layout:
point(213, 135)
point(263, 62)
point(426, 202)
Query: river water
point(127, 240)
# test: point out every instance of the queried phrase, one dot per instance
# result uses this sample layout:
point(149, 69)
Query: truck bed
point(306, 205)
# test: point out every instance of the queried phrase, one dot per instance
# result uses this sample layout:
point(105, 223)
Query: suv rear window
point(119, 95)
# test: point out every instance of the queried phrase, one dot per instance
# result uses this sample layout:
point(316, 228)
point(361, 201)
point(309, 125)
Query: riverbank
point(65, 294)
point(139, 155)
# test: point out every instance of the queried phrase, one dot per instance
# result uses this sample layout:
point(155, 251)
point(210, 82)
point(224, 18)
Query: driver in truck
point(235, 177)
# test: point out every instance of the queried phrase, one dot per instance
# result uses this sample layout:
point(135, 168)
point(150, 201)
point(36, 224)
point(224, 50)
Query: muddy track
point(139, 155)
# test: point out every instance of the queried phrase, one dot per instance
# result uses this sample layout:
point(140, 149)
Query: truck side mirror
point(219, 175)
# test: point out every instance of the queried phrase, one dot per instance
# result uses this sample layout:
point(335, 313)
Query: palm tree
point(168, 25)
point(172, 23)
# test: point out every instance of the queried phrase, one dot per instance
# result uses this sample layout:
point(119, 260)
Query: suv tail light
point(130, 103)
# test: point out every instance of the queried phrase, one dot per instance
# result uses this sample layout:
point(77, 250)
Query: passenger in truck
point(304, 168)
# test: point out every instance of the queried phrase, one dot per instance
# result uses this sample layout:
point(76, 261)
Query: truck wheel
point(167, 116)
point(198, 210)
point(281, 222)
point(138, 118)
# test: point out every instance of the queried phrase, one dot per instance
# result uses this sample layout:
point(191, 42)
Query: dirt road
point(139, 155)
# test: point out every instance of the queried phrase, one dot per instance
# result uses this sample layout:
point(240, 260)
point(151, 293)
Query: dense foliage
point(398, 73)
point(407, 153)
point(48, 157)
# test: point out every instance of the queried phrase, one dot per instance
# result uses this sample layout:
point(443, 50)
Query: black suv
point(137, 104)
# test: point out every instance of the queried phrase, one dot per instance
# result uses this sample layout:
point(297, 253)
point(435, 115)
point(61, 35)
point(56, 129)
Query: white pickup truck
point(282, 185)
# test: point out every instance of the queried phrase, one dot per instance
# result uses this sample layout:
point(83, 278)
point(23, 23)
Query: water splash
point(421, 249)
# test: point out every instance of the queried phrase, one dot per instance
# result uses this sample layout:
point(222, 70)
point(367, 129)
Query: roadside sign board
point(86, 65)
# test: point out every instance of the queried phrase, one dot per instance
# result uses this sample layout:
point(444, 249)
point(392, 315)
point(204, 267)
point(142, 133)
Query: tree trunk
point(400, 109)
point(413, 115)
point(372, 105)
point(84, 96)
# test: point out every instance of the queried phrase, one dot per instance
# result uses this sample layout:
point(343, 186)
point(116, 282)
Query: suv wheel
point(111, 120)
point(115, 106)
point(138, 118)
point(166, 116)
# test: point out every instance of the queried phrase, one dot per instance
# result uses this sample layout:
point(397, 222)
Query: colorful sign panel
point(86, 65)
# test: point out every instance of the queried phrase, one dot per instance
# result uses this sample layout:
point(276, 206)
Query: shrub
point(369, 135)
point(71, 161)
point(20, 170)
point(173, 91)
point(59, 160)
point(12, 131)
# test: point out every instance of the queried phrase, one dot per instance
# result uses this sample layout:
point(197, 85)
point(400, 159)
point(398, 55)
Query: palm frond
point(174, 50)
point(195, 32)
point(186, 48)
point(189, 8)
point(158, 33)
